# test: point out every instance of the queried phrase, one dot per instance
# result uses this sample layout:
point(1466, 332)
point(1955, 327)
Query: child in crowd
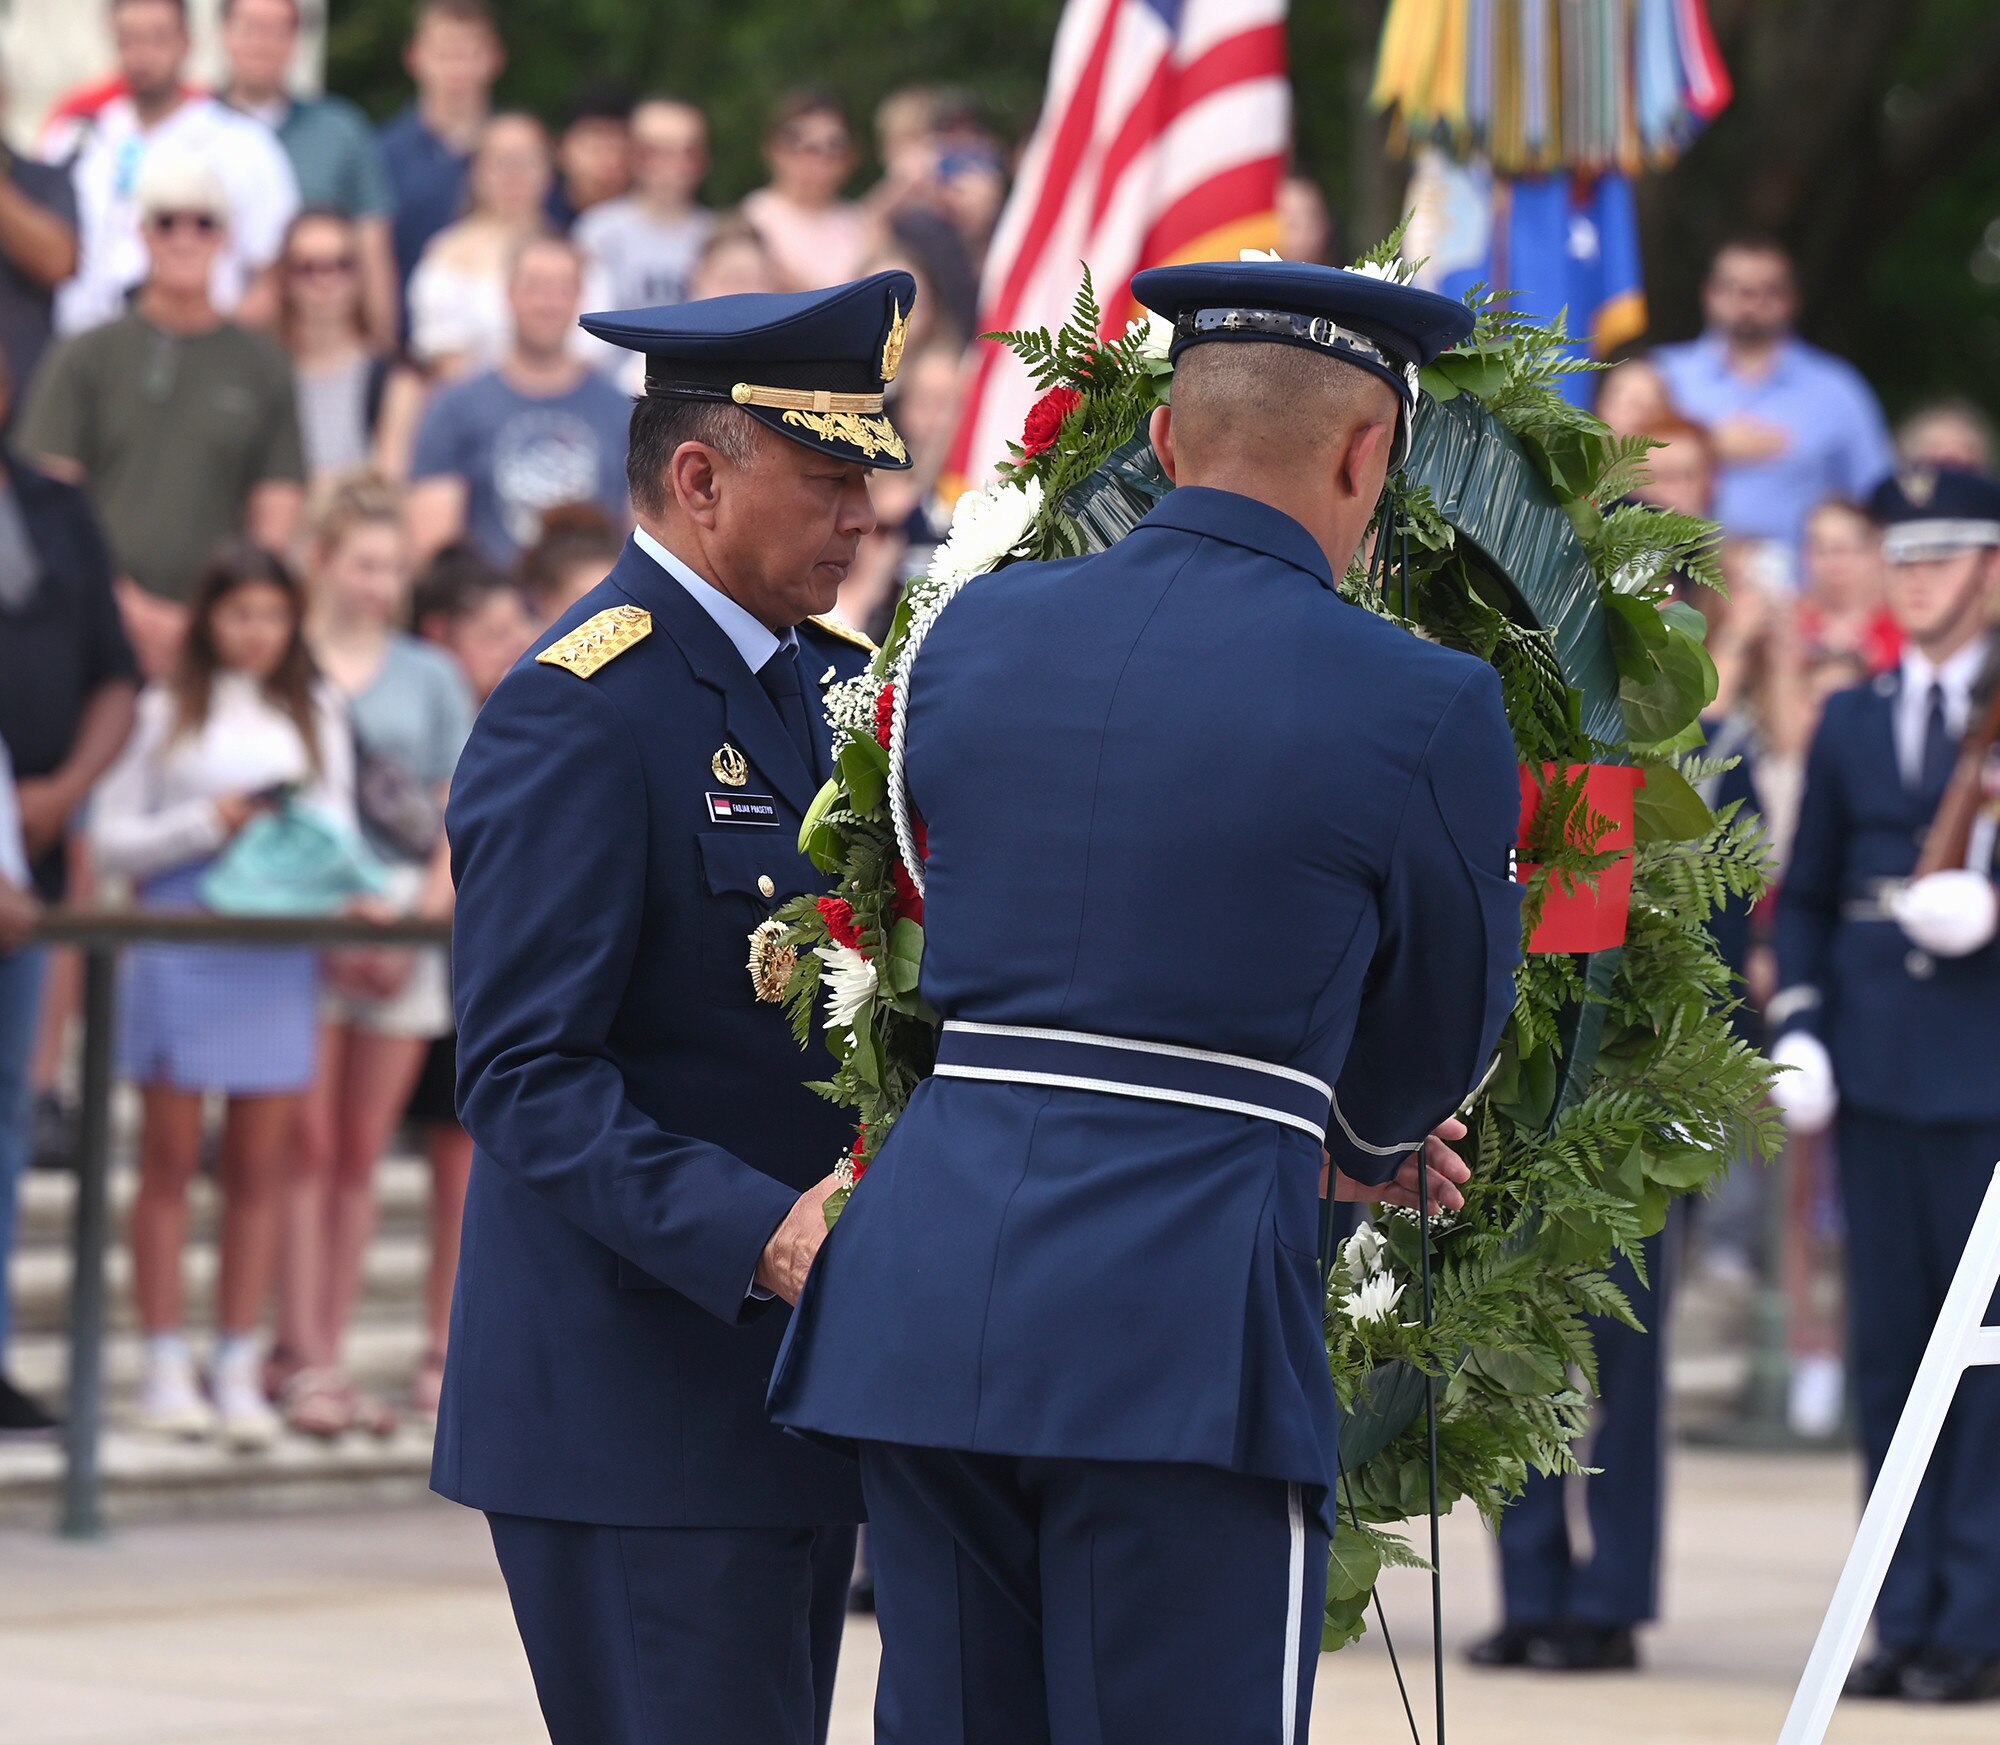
point(477, 616)
point(578, 545)
point(410, 712)
point(1844, 609)
point(242, 717)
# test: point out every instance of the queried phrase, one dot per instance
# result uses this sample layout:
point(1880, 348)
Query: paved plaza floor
point(391, 1628)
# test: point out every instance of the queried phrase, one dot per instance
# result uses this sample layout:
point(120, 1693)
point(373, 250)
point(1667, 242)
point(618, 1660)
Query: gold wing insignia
point(600, 641)
point(843, 633)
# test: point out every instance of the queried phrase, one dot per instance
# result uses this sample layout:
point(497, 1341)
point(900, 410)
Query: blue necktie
point(1939, 752)
point(782, 684)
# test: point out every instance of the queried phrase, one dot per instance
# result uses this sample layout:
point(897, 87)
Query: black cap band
point(1287, 327)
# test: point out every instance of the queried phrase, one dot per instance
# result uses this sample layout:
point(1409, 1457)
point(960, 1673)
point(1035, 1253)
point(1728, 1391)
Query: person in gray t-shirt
point(642, 248)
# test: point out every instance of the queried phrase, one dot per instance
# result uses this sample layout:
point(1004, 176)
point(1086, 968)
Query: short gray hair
point(661, 424)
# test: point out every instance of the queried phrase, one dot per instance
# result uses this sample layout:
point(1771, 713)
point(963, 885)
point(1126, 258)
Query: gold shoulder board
point(600, 641)
point(843, 632)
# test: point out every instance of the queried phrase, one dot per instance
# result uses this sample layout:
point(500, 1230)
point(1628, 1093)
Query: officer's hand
point(1447, 1171)
point(789, 1255)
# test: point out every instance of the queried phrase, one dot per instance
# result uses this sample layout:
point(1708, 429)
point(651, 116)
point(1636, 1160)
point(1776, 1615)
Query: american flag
point(1163, 137)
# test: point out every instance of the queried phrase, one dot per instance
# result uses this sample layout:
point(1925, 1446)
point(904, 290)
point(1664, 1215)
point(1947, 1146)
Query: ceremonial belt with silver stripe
point(1121, 1067)
point(1872, 904)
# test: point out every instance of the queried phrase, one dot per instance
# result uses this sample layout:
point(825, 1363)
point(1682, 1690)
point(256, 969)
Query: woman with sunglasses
point(350, 397)
point(816, 237)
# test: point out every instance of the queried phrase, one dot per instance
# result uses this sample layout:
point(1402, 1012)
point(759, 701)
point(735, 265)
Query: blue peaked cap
point(1927, 511)
point(1390, 330)
point(812, 365)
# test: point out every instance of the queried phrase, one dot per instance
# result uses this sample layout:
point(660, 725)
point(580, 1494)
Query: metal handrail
point(100, 934)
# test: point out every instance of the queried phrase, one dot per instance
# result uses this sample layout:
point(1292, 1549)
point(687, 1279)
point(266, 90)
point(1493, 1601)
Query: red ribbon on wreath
point(1586, 917)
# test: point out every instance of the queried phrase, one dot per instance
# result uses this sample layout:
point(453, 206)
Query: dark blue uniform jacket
point(1179, 792)
point(641, 1121)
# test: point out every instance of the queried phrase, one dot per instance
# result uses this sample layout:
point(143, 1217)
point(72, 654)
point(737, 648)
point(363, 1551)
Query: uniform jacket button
point(1921, 965)
point(766, 886)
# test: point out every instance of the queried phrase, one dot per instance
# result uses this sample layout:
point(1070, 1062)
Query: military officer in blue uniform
point(1889, 1013)
point(1217, 877)
point(650, 1167)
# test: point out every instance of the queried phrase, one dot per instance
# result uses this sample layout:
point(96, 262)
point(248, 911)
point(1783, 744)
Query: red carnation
point(885, 711)
point(860, 1163)
point(909, 904)
point(1045, 421)
point(838, 914)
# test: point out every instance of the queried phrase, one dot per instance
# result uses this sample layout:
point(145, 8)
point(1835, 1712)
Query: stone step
point(48, 1201)
point(392, 1283)
point(150, 1478)
point(382, 1356)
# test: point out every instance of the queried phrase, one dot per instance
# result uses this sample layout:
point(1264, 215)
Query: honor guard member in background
point(1218, 874)
point(650, 1167)
point(1889, 1012)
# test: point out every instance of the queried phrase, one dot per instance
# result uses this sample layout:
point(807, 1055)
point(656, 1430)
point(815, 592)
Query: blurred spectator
point(159, 114)
point(243, 718)
point(927, 138)
point(593, 156)
point(343, 386)
point(493, 453)
point(454, 55)
point(1947, 433)
point(180, 424)
point(477, 616)
point(410, 713)
point(38, 251)
point(734, 260)
point(906, 143)
point(644, 244)
point(815, 237)
point(330, 144)
point(972, 189)
point(1633, 395)
point(458, 295)
point(910, 517)
point(1793, 425)
point(578, 545)
point(1843, 605)
point(1305, 225)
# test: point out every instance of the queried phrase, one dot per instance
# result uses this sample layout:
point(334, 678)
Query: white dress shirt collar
point(1957, 674)
point(751, 638)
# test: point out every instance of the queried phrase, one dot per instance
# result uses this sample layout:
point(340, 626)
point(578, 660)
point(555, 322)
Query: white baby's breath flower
point(850, 984)
point(1156, 337)
point(1363, 1253)
point(1259, 254)
point(985, 526)
point(850, 707)
point(1375, 1300)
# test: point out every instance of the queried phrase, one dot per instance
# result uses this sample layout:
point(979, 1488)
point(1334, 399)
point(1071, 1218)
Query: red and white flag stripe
point(1164, 134)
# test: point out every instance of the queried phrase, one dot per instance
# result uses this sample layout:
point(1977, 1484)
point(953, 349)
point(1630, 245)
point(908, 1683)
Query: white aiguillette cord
point(899, 716)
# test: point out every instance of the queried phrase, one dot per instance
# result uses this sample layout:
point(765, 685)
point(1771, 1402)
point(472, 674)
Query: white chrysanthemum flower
point(1364, 1253)
point(850, 982)
point(985, 526)
point(1396, 272)
point(1156, 337)
point(1259, 254)
point(1376, 1300)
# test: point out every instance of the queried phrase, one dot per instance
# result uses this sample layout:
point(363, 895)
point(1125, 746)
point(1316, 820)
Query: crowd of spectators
point(304, 447)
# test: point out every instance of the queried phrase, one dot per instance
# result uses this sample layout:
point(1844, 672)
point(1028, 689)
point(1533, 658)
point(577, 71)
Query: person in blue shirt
point(1888, 1014)
point(1793, 425)
point(1217, 906)
point(650, 1168)
point(454, 55)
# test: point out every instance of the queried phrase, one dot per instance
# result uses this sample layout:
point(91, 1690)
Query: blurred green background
point(1865, 133)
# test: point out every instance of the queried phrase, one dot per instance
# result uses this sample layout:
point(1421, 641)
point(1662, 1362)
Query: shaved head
point(1270, 406)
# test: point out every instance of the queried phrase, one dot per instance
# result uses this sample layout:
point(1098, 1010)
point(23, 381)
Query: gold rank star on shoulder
point(599, 641)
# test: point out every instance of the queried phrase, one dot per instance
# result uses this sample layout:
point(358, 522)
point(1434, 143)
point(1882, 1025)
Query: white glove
point(1805, 1096)
point(1949, 914)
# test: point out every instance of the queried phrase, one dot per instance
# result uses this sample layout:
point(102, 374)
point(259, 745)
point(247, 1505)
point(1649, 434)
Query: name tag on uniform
point(743, 809)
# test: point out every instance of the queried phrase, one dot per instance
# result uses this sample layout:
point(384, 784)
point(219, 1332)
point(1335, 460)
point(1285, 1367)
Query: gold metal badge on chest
point(730, 767)
point(772, 961)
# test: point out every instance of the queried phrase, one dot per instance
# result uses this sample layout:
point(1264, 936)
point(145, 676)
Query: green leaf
point(1437, 384)
point(1584, 516)
point(1638, 635)
point(1527, 1373)
point(1679, 615)
point(1667, 809)
point(1684, 1168)
point(1658, 708)
point(865, 1057)
point(1353, 1566)
point(864, 767)
point(1471, 374)
point(903, 963)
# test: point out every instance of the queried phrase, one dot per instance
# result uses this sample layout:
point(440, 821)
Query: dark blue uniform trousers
point(1541, 1581)
point(678, 1635)
point(1088, 1602)
point(1911, 1191)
